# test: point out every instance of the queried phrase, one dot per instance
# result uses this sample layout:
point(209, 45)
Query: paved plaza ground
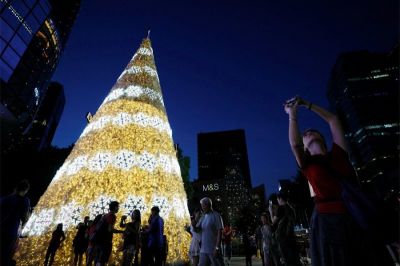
point(241, 261)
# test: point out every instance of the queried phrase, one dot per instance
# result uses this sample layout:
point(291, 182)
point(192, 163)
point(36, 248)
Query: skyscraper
point(223, 156)
point(42, 129)
point(33, 36)
point(364, 90)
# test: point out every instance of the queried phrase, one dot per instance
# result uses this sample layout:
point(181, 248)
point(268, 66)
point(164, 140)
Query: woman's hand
point(291, 107)
point(302, 102)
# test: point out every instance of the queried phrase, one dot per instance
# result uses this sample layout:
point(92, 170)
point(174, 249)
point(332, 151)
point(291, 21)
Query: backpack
point(361, 207)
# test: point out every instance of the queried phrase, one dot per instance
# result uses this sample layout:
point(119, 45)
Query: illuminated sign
point(211, 187)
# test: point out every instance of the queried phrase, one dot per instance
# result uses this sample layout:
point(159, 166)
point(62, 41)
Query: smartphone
point(292, 101)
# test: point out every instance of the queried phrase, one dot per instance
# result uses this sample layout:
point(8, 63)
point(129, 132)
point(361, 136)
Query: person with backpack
point(334, 233)
point(104, 234)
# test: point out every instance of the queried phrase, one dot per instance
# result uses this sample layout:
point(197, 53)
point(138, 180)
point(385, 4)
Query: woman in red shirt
point(333, 231)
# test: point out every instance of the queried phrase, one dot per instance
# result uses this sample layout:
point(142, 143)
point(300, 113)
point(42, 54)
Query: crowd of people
point(337, 235)
point(93, 238)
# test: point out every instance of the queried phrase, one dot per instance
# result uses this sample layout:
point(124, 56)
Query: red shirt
point(322, 171)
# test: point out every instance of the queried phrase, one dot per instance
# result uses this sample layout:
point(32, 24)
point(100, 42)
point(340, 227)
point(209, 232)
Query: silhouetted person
point(265, 238)
point(144, 249)
point(80, 242)
point(248, 248)
point(227, 244)
point(164, 251)
point(91, 251)
point(155, 240)
point(131, 237)
point(14, 211)
point(104, 234)
point(194, 249)
point(286, 239)
point(57, 237)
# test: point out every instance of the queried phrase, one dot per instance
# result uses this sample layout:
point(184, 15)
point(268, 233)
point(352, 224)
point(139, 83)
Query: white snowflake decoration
point(123, 119)
point(42, 222)
point(100, 161)
point(125, 160)
point(163, 204)
point(76, 165)
point(99, 206)
point(178, 208)
point(70, 215)
point(145, 51)
point(133, 91)
point(132, 203)
point(147, 161)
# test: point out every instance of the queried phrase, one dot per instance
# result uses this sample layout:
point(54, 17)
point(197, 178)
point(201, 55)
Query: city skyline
point(233, 70)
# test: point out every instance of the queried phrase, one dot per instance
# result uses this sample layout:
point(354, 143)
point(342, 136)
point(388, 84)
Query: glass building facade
point(364, 91)
point(33, 35)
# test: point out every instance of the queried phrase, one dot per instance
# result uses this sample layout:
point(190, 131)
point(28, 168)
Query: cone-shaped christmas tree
point(125, 153)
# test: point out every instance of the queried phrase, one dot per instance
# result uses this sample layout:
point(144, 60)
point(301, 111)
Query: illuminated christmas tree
point(125, 153)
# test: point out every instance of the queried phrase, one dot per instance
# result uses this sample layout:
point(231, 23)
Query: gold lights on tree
point(125, 153)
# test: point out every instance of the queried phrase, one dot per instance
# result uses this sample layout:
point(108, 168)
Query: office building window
point(11, 57)
point(24, 34)
point(18, 45)
point(5, 71)
point(2, 45)
point(6, 31)
point(39, 13)
point(20, 7)
point(30, 3)
point(32, 23)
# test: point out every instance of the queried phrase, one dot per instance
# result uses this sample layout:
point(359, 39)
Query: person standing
point(104, 234)
point(155, 234)
point(227, 244)
point(285, 237)
point(194, 249)
point(131, 237)
point(57, 238)
point(210, 226)
point(265, 238)
point(14, 212)
point(80, 242)
point(332, 229)
point(90, 251)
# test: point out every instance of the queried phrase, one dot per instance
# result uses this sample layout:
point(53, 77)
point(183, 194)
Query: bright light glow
point(37, 96)
point(126, 153)
point(124, 119)
point(123, 159)
point(134, 92)
point(140, 69)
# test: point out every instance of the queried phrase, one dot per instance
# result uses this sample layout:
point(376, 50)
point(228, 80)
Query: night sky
point(222, 65)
